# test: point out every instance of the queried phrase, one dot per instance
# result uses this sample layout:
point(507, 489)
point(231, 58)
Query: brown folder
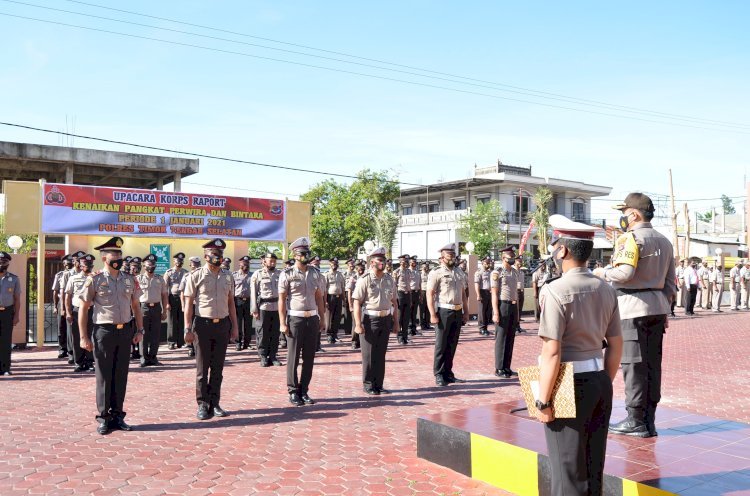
point(563, 393)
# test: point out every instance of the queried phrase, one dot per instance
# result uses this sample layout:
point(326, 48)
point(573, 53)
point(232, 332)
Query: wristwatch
point(142, 332)
point(542, 406)
point(188, 329)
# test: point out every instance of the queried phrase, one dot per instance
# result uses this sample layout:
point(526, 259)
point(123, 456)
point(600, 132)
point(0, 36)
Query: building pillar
point(159, 183)
point(69, 174)
point(177, 182)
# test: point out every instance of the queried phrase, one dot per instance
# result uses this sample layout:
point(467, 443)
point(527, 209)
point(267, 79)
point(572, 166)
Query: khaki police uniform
point(83, 359)
point(403, 286)
point(482, 281)
point(450, 285)
point(153, 294)
point(181, 289)
point(745, 286)
point(264, 291)
point(350, 285)
point(424, 311)
point(717, 278)
point(504, 283)
point(243, 308)
point(10, 294)
point(58, 289)
point(377, 295)
point(335, 294)
point(174, 277)
point(212, 326)
point(734, 287)
point(708, 288)
point(415, 285)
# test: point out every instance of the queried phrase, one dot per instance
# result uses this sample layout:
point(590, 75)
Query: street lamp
point(470, 247)
point(15, 242)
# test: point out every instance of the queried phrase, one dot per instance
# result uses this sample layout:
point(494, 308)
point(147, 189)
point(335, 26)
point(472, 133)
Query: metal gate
point(51, 267)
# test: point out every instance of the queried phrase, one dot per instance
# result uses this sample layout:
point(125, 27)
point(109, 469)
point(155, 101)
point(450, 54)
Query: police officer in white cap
point(304, 286)
point(579, 313)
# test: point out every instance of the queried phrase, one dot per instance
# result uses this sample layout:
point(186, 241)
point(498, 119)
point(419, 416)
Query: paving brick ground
point(348, 443)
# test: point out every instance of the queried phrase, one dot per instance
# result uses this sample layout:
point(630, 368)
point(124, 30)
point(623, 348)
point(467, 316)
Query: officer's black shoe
point(371, 391)
point(71, 361)
point(295, 400)
point(320, 350)
point(282, 345)
point(354, 346)
point(510, 373)
point(172, 346)
point(62, 354)
point(263, 362)
point(632, 425)
point(191, 353)
point(383, 391)
point(277, 363)
point(220, 412)
point(118, 423)
point(440, 381)
point(331, 340)
point(455, 380)
point(144, 363)
point(155, 362)
point(80, 368)
point(103, 427)
point(307, 400)
point(499, 373)
point(203, 413)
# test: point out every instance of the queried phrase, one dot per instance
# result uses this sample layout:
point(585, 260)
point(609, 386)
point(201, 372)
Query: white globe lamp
point(470, 247)
point(15, 242)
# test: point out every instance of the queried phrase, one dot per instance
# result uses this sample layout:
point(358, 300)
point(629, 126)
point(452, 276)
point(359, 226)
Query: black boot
point(650, 419)
point(633, 425)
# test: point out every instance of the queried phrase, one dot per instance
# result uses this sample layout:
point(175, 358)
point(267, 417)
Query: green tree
point(542, 198)
point(482, 227)
point(726, 205)
point(386, 223)
point(343, 215)
point(706, 216)
point(258, 249)
point(29, 240)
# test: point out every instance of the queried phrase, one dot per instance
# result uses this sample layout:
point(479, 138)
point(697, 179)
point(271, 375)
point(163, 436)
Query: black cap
point(359, 262)
point(113, 244)
point(290, 261)
point(78, 254)
point(334, 259)
point(271, 255)
point(87, 258)
point(66, 257)
point(404, 256)
point(414, 257)
point(638, 201)
point(226, 260)
point(128, 259)
point(217, 244)
point(179, 256)
point(4, 255)
point(150, 258)
point(508, 249)
point(487, 259)
point(136, 260)
point(243, 259)
point(316, 258)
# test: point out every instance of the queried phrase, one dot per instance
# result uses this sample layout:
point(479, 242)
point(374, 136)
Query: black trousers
point(641, 361)
point(348, 319)
point(374, 347)
point(244, 321)
point(692, 294)
point(577, 446)
point(505, 335)
point(152, 327)
point(268, 334)
point(356, 338)
point(413, 311)
point(446, 341)
point(6, 338)
point(62, 333)
point(404, 312)
point(81, 357)
point(485, 311)
point(424, 312)
point(519, 308)
point(112, 356)
point(210, 352)
point(303, 342)
point(175, 321)
point(334, 303)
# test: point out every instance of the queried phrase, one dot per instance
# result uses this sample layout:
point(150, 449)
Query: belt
point(633, 291)
point(336, 295)
point(268, 300)
point(303, 313)
point(2, 309)
point(508, 301)
point(378, 313)
point(213, 321)
point(450, 307)
point(116, 326)
point(590, 365)
point(402, 291)
point(241, 298)
point(150, 305)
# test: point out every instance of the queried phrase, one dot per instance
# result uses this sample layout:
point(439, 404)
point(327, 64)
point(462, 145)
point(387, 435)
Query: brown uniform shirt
point(301, 287)
point(449, 284)
point(482, 277)
point(10, 287)
point(152, 288)
point(415, 282)
point(242, 283)
point(335, 283)
point(579, 310)
point(111, 297)
point(265, 284)
point(507, 280)
point(375, 293)
point(74, 288)
point(402, 278)
point(211, 292)
point(173, 277)
point(423, 276)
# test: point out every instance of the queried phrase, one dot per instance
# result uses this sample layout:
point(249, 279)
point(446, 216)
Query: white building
point(430, 213)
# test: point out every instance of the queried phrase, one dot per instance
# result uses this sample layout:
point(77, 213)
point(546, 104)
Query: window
point(407, 210)
point(459, 204)
point(432, 207)
point(524, 204)
point(578, 211)
point(483, 199)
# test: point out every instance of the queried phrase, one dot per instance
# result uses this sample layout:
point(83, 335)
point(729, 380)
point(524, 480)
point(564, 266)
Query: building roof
point(32, 162)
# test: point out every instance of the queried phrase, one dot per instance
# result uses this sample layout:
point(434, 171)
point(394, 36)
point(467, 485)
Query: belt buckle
point(512, 302)
point(215, 321)
point(119, 326)
point(2, 309)
point(308, 313)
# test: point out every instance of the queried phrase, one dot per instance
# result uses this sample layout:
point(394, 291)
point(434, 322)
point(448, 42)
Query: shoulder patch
point(495, 276)
point(626, 251)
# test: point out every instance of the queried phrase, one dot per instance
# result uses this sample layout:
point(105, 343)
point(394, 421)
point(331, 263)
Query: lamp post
point(470, 247)
point(15, 242)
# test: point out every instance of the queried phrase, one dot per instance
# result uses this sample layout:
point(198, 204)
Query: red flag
point(525, 237)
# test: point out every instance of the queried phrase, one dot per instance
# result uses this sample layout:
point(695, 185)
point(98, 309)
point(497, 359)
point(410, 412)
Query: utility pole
point(687, 230)
point(520, 216)
point(675, 247)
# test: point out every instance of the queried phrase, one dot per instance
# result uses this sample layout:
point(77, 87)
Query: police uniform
point(708, 287)
point(521, 293)
point(680, 274)
point(482, 282)
point(504, 284)
point(717, 278)
point(450, 285)
point(745, 285)
point(580, 312)
point(226, 264)
point(58, 289)
point(175, 319)
point(376, 296)
point(195, 264)
point(242, 305)
point(734, 286)
point(538, 278)
point(264, 290)
point(402, 275)
point(134, 269)
point(114, 297)
point(351, 284)
point(305, 289)
point(10, 301)
point(424, 312)
point(335, 294)
point(348, 322)
point(415, 285)
point(153, 306)
point(82, 358)
point(643, 274)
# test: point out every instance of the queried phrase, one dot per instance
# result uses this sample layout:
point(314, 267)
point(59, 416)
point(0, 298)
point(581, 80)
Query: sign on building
point(162, 257)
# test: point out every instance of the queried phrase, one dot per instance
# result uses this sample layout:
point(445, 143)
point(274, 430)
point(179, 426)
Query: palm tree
point(542, 198)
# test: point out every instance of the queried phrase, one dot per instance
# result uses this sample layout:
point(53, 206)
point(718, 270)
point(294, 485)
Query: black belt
point(509, 302)
point(268, 300)
point(404, 292)
point(212, 321)
point(126, 325)
point(243, 298)
point(627, 291)
point(150, 305)
point(7, 309)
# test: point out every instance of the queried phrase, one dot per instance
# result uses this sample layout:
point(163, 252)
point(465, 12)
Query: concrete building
point(430, 214)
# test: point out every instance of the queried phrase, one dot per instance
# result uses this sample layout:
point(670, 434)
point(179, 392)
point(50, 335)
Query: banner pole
point(40, 270)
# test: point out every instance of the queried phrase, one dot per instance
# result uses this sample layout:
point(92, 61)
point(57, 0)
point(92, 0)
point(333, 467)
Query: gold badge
point(495, 276)
point(118, 243)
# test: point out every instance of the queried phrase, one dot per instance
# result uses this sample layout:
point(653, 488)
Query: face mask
point(215, 260)
point(68, 265)
point(150, 270)
point(360, 270)
point(450, 263)
point(244, 267)
point(178, 264)
point(87, 267)
point(115, 264)
point(271, 266)
point(3, 267)
point(558, 262)
point(624, 222)
point(305, 257)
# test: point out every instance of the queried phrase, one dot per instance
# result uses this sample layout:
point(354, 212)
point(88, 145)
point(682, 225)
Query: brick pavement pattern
point(347, 443)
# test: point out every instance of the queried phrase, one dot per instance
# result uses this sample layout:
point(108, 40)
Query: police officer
point(83, 359)
point(504, 284)
point(518, 265)
point(304, 286)
point(114, 297)
point(538, 278)
point(579, 313)
point(335, 293)
point(350, 286)
point(734, 286)
point(226, 264)
point(175, 319)
point(134, 269)
point(58, 309)
point(484, 295)
point(424, 313)
point(415, 286)
point(154, 307)
point(242, 303)
point(708, 286)
point(374, 305)
point(450, 284)
point(643, 274)
point(195, 264)
point(348, 320)
point(10, 304)
point(315, 263)
point(402, 275)
point(389, 265)
point(264, 290)
point(211, 324)
point(717, 278)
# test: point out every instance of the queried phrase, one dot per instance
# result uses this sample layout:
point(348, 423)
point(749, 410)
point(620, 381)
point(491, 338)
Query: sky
point(499, 73)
